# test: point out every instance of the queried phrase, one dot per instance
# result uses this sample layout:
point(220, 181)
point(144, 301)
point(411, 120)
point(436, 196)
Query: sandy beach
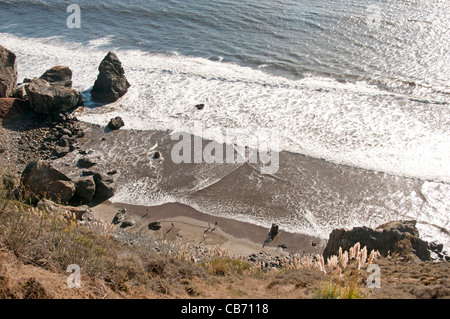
point(306, 196)
point(185, 225)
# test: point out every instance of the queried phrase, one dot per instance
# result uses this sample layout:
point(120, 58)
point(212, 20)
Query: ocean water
point(360, 84)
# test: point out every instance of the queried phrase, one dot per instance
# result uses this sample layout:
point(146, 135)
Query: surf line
point(234, 146)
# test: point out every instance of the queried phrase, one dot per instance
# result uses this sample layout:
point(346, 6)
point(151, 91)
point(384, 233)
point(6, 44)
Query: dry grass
point(347, 273)
point(37, 246)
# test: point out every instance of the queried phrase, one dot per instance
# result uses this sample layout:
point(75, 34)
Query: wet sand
point(307, 197)
point(183, 223)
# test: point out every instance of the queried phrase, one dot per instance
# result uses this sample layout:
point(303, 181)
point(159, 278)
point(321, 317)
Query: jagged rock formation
point(111, 83)
point(8, 72)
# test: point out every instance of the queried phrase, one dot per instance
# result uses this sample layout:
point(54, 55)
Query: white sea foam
point(352, 124)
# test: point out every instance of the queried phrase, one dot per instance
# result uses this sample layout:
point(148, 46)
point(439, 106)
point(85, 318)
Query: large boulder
point(58, 75)
point(51, 99)
point(104, 187)
point(40, 180)
point(111, 83)
point(11, 107)
point(61, 191)
point(85, 189)
point(395, 237)
point(8, 72)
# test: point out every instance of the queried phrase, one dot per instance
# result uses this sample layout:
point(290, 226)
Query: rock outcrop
point(40, 179)
point(51, 99)
point(61, 191)
point(85, 189)
point(104, 187)
point(111, 83)
point(116, 123)
point(400, 237)
point(11, 107)
point(8, 72)
point(58, 75)
point(120, 216)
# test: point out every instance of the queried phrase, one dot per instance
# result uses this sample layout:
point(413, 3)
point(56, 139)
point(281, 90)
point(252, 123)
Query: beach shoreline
point(307, 196)
point(185, 225)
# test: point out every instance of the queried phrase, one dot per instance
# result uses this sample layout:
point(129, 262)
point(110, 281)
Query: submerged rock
point(111, 83)
point(8, 72)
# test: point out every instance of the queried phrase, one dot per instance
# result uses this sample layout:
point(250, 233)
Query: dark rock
point(87, 173)
point(20, 92)
point(200, 106)
point(66, 131)
point(154, 226)
point(111, 83)
point(51, 99)
point(104, 187)
point(61, 191)
point(58, 75)
point(64, 141)
point(128, 223)
point(82, 152)
point(37, 176)
point(116, 123)
point(113, 172)
point(61, 151)
point(120, 216)
point(395, 237)
point(156, 156)
point(8, 72)
point(436, 247)
point(85, 189)
point(402, 226)
point(60, 118)
point(12, 107)
point(85, 163)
